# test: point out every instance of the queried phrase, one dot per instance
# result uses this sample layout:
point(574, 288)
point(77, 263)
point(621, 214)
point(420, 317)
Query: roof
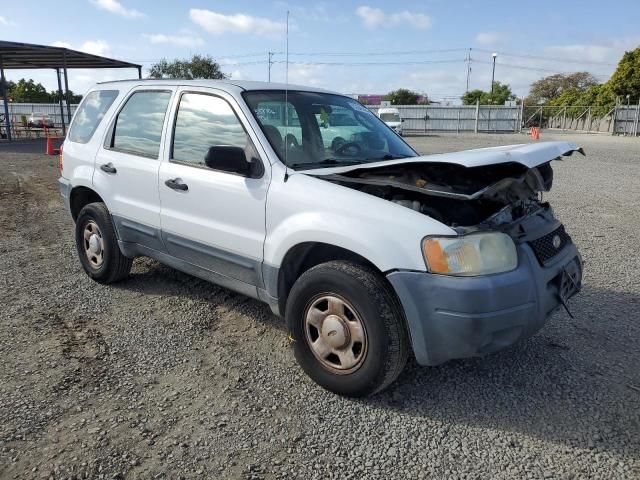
point(30, 56)
point(225, 84)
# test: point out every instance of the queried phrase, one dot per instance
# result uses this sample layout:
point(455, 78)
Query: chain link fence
point(19, 113)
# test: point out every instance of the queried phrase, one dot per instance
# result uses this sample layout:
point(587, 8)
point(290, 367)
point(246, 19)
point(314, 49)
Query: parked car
point(39, 120)
point(391, 116)
point(369, 250)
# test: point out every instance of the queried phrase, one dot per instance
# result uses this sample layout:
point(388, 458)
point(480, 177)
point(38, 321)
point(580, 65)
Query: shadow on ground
point(535, 387)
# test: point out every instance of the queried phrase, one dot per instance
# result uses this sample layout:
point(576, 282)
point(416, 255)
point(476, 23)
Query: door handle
point(176, 184)
point(108, 167)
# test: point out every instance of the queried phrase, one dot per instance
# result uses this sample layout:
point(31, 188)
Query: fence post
point(521, 115)
point(635, 127)
point(475, 130)
point(564, 119)
point(458, 124)
point(540, 121)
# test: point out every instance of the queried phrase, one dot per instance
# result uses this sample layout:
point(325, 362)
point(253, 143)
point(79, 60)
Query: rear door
point(218, 221)
point(127, 165)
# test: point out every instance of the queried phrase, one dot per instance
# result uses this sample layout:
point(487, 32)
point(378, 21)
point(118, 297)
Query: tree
point(199, 66)
point(501, 93)
point(8, 84)
point(403, 96)
point(626, 79)
point(54, 96)
point(473, 96)
point(549, 88)
point(27, 91)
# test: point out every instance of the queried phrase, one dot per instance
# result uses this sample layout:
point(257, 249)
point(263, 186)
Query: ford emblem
point(556, 242)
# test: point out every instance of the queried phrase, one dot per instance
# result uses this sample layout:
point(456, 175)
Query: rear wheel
point(97, 245)
point(349, 331)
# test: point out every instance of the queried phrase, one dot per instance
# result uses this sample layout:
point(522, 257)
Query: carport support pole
point(3, 84)
point(64, 128)
point(66, 87)
point(139, 73)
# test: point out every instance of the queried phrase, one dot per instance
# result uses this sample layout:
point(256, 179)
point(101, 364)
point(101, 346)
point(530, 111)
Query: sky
point(354, 47)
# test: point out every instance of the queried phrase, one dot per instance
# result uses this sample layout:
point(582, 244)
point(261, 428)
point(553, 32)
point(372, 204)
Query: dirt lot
point(167, 376)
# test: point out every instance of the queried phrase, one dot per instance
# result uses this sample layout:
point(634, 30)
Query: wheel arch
point(81, 196)
point(303, 256)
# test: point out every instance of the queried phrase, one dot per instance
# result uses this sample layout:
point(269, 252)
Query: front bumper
point(458, 317)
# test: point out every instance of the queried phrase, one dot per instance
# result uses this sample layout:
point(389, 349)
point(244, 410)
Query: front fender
point(308, 209)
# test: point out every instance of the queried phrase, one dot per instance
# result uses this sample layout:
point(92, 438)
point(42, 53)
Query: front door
point(212, 219)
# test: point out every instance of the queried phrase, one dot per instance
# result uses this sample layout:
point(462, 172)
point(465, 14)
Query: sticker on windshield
point(265, 113)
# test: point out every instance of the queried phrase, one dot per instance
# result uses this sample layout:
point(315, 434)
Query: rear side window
point(89, 114)
point(138, 127)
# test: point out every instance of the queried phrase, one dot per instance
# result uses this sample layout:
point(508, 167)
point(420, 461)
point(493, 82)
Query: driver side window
point(204, 121)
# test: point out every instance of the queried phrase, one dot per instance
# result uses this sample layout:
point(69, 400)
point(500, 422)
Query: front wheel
point(348, 330)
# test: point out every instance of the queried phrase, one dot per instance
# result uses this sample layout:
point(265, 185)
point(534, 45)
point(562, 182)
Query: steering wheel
point(349, 149)
point(291, 141)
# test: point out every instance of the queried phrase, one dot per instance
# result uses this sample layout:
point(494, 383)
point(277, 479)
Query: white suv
point(370, 251)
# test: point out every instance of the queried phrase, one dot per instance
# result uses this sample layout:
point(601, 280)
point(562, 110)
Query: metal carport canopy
point(27, 56)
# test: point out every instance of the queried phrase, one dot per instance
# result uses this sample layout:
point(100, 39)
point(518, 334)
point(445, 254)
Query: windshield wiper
point(326, 162)
point(388, 156)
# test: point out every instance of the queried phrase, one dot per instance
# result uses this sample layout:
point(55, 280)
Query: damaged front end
point(468, 191)
point(481, 292)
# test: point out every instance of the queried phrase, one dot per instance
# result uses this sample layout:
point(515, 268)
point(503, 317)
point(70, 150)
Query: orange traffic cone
point(49, 145)
point(535, 133)
point(51, 150)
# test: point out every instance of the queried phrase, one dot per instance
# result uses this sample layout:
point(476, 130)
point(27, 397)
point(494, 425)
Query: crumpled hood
point(528, 154)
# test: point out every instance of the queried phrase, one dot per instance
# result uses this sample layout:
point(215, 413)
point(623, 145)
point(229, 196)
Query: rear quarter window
point(90, 113)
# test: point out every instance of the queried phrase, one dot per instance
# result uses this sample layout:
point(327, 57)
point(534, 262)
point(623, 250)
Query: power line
point(524, 67)
point(548, 59)
point(368, 54)
point(374, 64)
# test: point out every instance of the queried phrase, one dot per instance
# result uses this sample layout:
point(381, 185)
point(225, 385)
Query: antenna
point(286, 104)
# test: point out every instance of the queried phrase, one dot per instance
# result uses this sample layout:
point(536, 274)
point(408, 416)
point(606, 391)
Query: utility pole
point(270, 61)
point(493, 72)
point(468, 69)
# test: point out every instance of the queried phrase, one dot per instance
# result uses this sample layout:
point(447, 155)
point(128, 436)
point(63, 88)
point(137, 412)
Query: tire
point(367, 300)
point(105, 264)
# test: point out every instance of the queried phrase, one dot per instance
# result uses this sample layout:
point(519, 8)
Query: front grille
point(543, 247)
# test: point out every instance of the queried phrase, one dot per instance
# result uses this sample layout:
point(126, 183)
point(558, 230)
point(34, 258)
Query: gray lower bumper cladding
point(458, 317)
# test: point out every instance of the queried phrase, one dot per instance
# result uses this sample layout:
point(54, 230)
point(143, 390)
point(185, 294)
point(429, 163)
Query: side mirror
point(233, 160)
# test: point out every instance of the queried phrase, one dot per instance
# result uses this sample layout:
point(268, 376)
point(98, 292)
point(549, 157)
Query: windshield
point(389, 117)
point(315, 130)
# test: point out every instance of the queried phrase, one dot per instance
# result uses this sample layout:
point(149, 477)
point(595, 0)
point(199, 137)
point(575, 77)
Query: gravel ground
point(167, 376)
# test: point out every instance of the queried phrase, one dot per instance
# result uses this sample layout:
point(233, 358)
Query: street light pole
point(270, 62)
point(493, 71)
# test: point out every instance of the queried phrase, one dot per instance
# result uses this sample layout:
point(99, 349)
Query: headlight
point(469, 255)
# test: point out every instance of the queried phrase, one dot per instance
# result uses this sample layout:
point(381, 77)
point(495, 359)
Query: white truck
point(391, 116)
point(305, 200)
